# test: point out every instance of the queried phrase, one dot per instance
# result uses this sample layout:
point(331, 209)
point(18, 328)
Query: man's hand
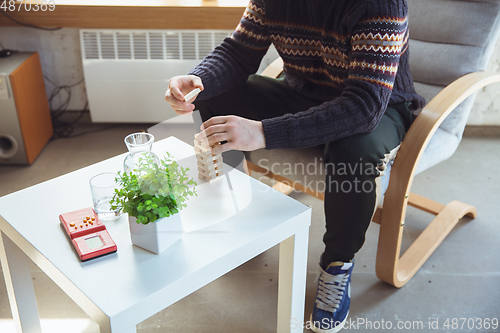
point(240, 133)
point(177, 88)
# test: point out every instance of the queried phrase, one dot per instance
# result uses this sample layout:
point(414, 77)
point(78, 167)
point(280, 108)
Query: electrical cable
point(57, 89)
point(63, 129)
point(94, 131)
point(27, 24)
point(56, 113)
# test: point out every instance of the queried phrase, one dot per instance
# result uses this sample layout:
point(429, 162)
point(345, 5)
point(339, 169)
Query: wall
point(61, 62)
point(59, 54)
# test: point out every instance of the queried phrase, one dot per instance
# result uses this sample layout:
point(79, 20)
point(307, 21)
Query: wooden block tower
point(209, 165)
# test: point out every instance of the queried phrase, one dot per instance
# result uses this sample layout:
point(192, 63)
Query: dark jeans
point(353, 164)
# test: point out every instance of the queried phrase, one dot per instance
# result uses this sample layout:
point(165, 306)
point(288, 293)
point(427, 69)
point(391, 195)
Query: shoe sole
point(332, 330)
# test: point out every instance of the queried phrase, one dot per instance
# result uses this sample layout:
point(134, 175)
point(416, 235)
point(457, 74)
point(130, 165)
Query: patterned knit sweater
point(351, 54)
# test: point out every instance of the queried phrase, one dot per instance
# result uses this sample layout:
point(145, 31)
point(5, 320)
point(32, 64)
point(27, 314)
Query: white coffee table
point(233, 219)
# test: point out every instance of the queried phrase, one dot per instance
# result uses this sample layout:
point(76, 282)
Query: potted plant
point(152, 195)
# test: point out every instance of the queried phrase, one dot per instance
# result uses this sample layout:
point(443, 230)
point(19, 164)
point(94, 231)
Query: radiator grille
point(150, 45)
point(124, 45)
point(156, 45)
point(107, 45)
point(140, 45)
point(173, 45)
point(91, 49)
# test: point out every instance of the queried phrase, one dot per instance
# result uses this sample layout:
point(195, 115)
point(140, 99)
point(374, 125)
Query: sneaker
point(333, 298)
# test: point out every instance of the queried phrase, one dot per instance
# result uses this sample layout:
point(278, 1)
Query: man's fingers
point(183, 112)
point(214, 129)
point(176, 104)
point(213, 135)
point(218, 137)
point(219, 149)
point(182, 106)
point(214, 121)
point(196, 82)
point(175, 91)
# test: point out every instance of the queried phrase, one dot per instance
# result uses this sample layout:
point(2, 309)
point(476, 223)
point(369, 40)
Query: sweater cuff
point(196, 71)
point(276, 133)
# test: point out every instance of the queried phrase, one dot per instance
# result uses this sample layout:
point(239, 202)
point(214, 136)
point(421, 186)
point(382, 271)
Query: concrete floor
point(460, 280)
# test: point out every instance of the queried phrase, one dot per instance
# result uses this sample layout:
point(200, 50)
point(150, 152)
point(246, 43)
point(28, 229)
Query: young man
point(346, 85)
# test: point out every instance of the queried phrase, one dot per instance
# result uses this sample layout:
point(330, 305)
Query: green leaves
point(153, 191)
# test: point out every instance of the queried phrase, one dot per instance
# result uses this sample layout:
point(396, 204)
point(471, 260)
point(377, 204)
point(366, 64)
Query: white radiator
point(127, 72)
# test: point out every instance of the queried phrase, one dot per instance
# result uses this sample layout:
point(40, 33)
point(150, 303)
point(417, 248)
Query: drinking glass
point(103, 187)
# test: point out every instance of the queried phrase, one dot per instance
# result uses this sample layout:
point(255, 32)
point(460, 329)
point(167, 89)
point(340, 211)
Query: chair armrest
point(427, 122)
point(274, 69)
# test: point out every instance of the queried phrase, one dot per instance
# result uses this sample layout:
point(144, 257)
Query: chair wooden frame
point(391, 266)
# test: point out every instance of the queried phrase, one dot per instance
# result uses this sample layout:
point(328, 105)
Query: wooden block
point(204, 174)
point(209, 166)
point(191, 94)
point(207, 173)
point(206, 166)
point(202, 150)
point(204, 159)
point(218, 163)
point(202, 177)
point(201, 143)
point(205, 156)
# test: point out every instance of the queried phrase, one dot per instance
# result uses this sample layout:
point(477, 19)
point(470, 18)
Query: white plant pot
point(156, 236)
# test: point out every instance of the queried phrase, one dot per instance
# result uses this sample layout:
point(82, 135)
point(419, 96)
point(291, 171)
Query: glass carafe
point(139, 146)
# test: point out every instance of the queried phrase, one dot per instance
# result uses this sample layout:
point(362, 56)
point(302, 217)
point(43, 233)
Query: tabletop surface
point(228, 214)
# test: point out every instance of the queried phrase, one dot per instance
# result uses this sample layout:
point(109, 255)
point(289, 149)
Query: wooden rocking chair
point(449, 40)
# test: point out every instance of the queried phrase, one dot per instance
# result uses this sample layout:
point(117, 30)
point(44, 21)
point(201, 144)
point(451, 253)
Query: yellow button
point(93, 219)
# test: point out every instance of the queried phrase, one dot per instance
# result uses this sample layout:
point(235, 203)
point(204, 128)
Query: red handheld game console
point(87, 233)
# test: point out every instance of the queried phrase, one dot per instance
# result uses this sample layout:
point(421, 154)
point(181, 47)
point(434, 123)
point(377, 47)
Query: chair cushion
point(441, 64)
point(441, 146)
point(449, 39)
point(458, 22)
point(457, 119)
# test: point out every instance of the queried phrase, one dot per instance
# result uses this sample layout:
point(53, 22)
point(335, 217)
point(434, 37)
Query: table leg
point(130, 330)
point(16, 271)
point(292, 282)
point(107, 325)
